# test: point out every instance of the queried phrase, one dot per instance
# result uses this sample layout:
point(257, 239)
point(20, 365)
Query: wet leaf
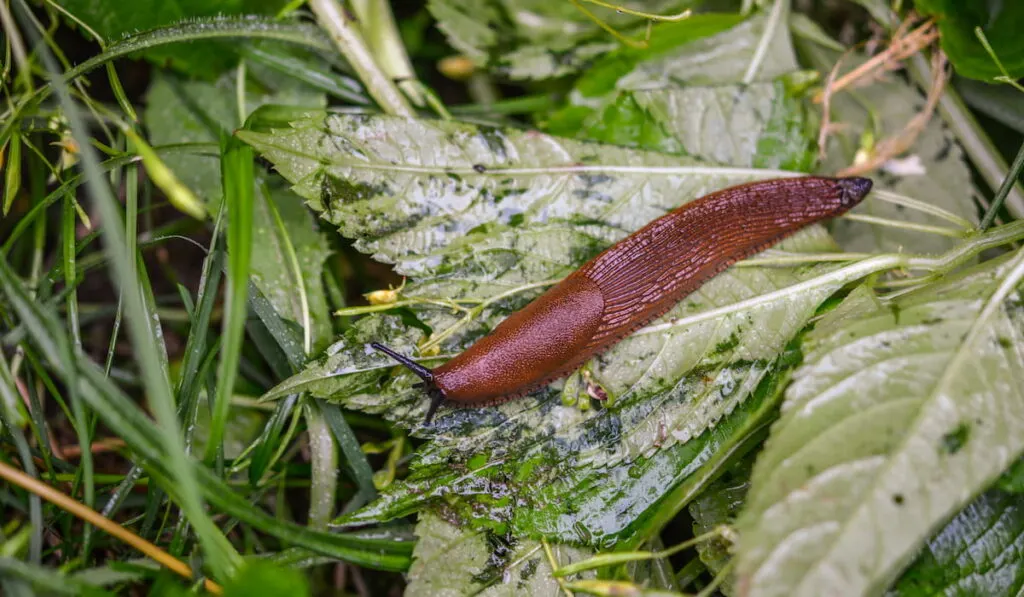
point(662, 101)
point(717, 506)
point(900, 414)
point(478, 214)
point(286, 240)
point(719, 59)
point(761, 124)
point(976, 553)
point(450, 561)
point(537, 39)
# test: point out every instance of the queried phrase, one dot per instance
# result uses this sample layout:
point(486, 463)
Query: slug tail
point(434, 392)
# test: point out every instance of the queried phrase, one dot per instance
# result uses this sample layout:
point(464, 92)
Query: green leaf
point(717, 506)
point(288, 260)
point(482, 215)
point(761, 124)
point(765, 125)
point(901, 413)
point(180, 111)
point(622, 122)
point(538, 39)
point(688, 98)
point(708, 49)
point(447, 200)
point(114, 20)
point(1001, 23)
point(934, 168)
point(453, 561)
point(976, 553)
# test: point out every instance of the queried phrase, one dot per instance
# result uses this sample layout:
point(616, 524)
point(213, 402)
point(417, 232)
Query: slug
point(634, 281)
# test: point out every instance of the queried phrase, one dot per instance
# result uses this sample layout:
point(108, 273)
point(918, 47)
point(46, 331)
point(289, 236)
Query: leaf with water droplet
point(900, 414)
point(433, 198)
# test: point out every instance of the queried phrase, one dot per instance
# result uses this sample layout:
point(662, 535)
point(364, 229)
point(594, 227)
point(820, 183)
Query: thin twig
point(900, 49)
point(893, 146)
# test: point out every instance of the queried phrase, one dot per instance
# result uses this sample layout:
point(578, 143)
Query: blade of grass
point(12, 174)
point(219, 555)
point(37, 417)
point(358, 465)
point(1004, 189)
point(81, 420)
point(239, 183)
point(323, 467)
point(287, 339)
point(196, 347)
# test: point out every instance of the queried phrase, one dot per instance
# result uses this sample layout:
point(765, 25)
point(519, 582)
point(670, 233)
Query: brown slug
point(629, 284)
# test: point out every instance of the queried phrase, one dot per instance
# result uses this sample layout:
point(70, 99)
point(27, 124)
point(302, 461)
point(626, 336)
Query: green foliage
point(817, 413)
point(913, 407)
point(1001, 24)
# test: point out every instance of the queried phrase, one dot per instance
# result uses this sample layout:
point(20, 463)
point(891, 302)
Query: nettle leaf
point(765, 125)
point(450, 561)
point(537, 39)
point(934, 168)
point(668, 41)
point(483, 215)
point(976, 553)
point(898, 416)
point(662, 102)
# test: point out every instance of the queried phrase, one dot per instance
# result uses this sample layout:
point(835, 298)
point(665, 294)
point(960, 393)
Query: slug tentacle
point(435, 393)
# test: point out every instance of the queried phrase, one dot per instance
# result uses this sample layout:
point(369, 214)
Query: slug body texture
point(636, 280)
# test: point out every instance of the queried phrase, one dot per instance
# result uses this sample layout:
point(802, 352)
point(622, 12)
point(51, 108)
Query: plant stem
point(378, 26)
point(347, 38)
point(1004, 189)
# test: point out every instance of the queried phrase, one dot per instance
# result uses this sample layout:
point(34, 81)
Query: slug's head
point(852, 190)
point(435, 393)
